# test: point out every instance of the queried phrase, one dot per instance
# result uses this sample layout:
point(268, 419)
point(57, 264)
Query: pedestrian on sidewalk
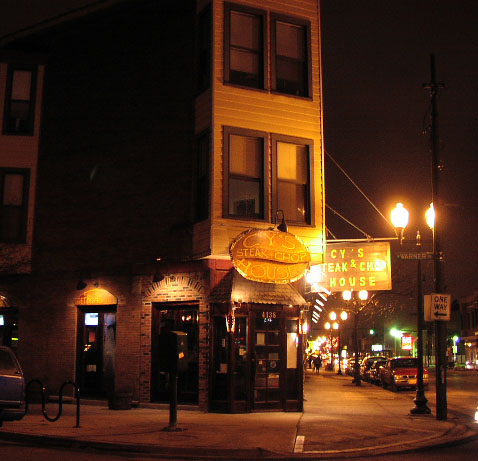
point(317, 363)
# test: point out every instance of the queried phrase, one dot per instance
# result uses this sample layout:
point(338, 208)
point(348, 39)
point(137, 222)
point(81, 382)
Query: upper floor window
point(292, 178)
point(244, 41)
point(13, 205)
point(290, 56)
point(202, 177)
point(244, 179)
point(204, 50)
point(19, 107)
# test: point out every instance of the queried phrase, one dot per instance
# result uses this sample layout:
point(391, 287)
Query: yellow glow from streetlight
point(332, 316)
point(430, 216)
point(314, 275)
point(327, 325)
point(399, 216)
point(363, 295)
point(335, 326)
point(343, 315)
point(347, 295)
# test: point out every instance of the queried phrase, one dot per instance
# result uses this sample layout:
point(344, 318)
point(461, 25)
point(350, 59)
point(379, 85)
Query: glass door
point(166, 318)
point(267, 361)
point(96, 352)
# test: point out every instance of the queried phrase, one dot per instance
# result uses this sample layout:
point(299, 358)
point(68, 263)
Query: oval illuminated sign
point(269, 256)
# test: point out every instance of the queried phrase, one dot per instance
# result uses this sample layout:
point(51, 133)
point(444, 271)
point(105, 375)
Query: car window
point(405, 363)
point(7, 364)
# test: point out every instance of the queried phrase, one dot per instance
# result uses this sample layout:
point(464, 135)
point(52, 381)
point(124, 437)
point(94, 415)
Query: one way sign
point(437, 307)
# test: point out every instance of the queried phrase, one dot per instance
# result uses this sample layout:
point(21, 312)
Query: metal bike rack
point(60, 403)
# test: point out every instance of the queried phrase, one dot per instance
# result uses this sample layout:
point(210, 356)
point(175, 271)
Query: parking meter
point(175, 351)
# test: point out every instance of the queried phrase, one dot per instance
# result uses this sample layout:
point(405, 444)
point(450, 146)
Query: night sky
point(376, 58)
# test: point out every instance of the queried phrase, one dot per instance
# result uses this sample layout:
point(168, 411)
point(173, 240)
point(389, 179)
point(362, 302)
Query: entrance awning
point(235, 288)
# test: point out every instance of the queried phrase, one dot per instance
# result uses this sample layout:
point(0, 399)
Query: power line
point(363, 194)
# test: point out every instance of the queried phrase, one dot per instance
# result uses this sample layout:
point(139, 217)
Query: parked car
point(374, 371)
point(401, 372)
point(349, 366)
point(12, 387)
point(366, 363)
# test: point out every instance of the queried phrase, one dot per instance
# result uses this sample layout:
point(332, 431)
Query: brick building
point(156, 132)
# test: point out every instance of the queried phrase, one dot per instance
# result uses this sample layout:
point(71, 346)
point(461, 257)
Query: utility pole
point(436, 166)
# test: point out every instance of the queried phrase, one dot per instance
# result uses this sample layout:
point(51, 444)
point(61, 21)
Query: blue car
point(12, 387)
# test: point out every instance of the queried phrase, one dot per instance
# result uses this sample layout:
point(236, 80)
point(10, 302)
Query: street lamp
point(420, 400)
point(343, 317)
point(396, 334)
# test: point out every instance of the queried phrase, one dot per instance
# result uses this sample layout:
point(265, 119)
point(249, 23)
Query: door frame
point(80, 340)
point(156, 308)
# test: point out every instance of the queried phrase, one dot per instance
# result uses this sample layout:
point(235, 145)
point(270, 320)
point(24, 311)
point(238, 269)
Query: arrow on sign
point(438, 314)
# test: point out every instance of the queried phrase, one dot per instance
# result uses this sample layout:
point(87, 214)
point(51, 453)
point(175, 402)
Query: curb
point(459, 434)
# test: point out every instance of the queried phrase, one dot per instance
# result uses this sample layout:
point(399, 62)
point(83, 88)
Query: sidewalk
point(340, 420)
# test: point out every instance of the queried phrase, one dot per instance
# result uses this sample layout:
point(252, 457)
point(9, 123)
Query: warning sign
point(437, 306)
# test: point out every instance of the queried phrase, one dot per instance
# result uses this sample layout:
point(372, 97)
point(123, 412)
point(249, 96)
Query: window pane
point(246, 62)
point(292, 199)
point(13, 189)
point(21, 85)
point(19, 110)
point(290, 40)
point(292, 162)
point(245, 156)
point(11, 224)
point(245, 30)
point(291, 77)
point(244, 197)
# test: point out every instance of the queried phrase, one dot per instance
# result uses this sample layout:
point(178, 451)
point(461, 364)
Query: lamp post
point(356, 306)
point(400, 222)
point(343, 317)
point(335, 326)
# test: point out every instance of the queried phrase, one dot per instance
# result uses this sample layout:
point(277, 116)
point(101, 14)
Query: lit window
point(290, 57)
point(244, 184)
point(19, 102)
point(13, 209)
point(244, 46)
point(292, 178)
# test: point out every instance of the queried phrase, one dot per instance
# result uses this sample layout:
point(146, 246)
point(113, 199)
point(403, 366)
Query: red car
point(401, 372)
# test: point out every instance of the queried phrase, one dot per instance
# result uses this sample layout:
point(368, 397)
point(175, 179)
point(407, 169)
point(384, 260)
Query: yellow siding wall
point(272, 113)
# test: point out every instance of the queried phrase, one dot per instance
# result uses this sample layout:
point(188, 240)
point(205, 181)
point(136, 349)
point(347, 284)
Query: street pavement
point(340, 420)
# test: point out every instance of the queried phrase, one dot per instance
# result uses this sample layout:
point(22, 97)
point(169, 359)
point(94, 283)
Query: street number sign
point(437, 307)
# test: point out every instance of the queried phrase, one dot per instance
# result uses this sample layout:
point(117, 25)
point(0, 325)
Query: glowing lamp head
point(347, 295)
point(335, 326)
point(363, 295)
point(396, 333)
point(332, 316)
point(399, 216)
point(327, 325)
point(343, 315)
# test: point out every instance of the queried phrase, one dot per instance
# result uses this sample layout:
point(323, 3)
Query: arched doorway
point(96, 342)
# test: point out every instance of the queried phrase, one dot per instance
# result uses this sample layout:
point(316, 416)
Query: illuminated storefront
point(256, 346)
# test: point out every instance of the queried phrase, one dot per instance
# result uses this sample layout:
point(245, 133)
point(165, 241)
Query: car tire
point(384, 384)
point(393, 386)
